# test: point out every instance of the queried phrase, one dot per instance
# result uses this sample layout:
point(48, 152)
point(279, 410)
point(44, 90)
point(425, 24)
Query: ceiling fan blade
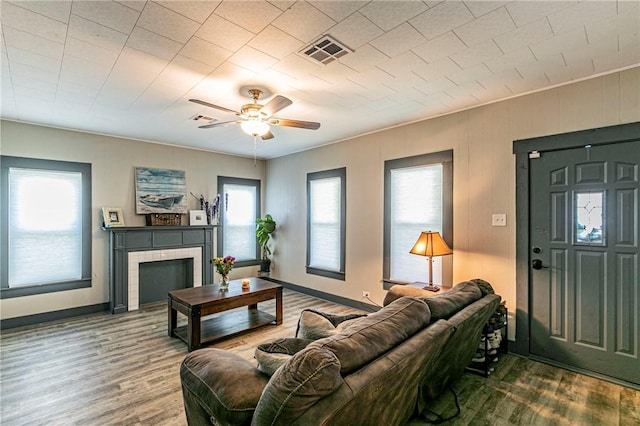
point(312, 125)
point(221, 124)
point(276, 104)
point(210, 105)
point(267, 135)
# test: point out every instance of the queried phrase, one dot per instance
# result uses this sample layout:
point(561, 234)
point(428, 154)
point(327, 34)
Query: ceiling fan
point(256, 119)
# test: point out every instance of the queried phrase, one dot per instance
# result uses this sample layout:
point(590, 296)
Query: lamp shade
point(430, 244)
point(254, 127)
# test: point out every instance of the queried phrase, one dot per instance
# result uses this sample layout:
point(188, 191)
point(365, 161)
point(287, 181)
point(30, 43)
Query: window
point(239, 210)
point(46, 226)
point(589, 207)
point(326, 209)
point(418, 196)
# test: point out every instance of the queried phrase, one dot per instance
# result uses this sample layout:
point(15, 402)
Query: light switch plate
point(499, 219)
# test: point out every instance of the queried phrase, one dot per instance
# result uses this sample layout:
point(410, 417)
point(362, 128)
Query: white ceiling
point(128, 68)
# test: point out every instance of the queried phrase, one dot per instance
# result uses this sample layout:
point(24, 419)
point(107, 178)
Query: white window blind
point(325, 223)
point(416, 206)
point(45, 226)
point(239, 221)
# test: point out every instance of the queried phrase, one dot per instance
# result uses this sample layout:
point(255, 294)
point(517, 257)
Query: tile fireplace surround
point(130, 246)
point(138, 257)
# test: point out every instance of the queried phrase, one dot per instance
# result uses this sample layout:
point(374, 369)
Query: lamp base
point(431, 287)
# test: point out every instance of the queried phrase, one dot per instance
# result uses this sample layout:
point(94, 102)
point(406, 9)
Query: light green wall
point(113, 161)
point(484, 182)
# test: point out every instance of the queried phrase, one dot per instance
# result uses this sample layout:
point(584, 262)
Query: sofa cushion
point(444, 305)
point(377, 333)
point(317, 325)
point(271, 355)
point(206, 374)
point(307, 377)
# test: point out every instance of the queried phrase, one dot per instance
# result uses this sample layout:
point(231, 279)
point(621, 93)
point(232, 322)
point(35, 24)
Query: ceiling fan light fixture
point(255, 127)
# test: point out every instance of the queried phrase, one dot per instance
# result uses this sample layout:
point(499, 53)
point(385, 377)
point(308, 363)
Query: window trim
point(446, 159)
point(222, 180)
point(325, 174)
point(7, 162)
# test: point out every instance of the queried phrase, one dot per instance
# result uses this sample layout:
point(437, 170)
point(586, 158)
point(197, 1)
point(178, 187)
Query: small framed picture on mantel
point(197, 217)
point(112, 217)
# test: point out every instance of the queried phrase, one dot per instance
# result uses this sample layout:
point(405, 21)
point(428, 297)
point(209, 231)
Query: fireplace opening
point(158, 278)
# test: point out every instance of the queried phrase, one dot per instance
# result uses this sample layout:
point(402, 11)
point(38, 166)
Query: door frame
point(522, 148)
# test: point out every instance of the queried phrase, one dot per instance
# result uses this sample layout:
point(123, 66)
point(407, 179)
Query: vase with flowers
point(224, 265)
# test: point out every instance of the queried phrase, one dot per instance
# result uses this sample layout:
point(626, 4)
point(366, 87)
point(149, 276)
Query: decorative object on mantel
point(112, 216)
point(264, 228)
point(164, 219)
point(224, 265)
point(211, 208)
point(197, 217)
point(160, 191)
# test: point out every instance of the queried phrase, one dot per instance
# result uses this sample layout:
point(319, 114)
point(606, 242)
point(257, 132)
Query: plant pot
point(265, 265)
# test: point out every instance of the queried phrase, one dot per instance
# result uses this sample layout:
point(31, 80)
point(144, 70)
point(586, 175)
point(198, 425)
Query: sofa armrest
point(401, 290)
point(220, 388)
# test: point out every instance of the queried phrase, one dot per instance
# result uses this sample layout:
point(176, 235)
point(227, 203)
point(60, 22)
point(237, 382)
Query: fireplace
point(137, 258)
point(131, 246)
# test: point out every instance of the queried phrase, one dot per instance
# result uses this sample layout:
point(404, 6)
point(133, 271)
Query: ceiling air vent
point(325, 50)
point(202, 118)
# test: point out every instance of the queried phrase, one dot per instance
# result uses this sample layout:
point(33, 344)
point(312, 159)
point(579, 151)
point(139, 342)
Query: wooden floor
point(124, 370)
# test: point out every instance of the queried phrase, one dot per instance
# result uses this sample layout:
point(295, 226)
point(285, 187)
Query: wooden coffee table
point(198, 302)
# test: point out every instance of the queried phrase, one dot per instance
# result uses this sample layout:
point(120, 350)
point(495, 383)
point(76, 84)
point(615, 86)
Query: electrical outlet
point(365, 294)
point(499, 219)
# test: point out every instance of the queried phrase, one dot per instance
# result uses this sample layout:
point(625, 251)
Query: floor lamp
point(430, 244)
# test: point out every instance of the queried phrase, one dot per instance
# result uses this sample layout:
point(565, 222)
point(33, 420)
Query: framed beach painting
point(160, 191)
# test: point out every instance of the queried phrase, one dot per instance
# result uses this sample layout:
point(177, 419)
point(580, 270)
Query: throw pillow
point(271, 355)
point(310, 375)
point(316, 325)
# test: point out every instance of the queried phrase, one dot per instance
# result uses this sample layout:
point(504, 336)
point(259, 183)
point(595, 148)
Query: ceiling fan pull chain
point(255, 148)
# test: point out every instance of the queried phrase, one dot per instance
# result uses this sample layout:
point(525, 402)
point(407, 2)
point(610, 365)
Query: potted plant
point(264, 228)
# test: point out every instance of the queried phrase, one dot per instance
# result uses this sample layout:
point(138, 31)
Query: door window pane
point(589, 207)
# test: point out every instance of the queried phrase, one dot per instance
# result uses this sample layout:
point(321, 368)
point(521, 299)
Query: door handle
point(537, 264)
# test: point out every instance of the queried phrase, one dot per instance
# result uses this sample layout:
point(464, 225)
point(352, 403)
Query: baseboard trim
point(325, 296)
point(28, 320)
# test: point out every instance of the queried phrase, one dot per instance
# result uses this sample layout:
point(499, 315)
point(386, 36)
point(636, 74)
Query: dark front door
point(584, 235)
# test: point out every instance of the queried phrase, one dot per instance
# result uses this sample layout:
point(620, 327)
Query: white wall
point(484, 182)
point(113, 161)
